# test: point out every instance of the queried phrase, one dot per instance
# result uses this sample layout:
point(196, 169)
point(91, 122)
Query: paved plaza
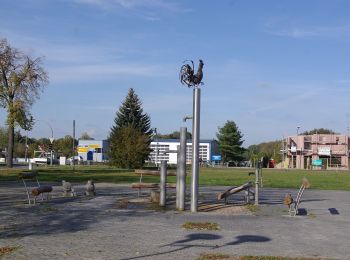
point(107, 227)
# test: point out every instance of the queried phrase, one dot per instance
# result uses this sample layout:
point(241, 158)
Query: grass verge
point(6, 250)
point(272, 178)
point(201, 226)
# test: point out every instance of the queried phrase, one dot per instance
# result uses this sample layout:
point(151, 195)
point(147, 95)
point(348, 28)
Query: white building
point(167, 150)
point(93, 150)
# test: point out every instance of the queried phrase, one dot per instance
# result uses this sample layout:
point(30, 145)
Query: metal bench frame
point(293, 207)
point(26, 186)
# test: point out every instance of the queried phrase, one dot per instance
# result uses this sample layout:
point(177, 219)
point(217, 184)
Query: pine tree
point(130, 137)
point(230, 142)
point(131, 114)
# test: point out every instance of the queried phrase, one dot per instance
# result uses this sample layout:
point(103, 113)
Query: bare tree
point(22, 79)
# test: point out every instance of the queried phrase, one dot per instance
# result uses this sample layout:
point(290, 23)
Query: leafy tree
point(64, 146)
point(85, 136)
point(173, 135)
point(131, 135)
point(265, 150)
point(230, 142)
point(21, 80)
point(318, 131)
point(129, 148)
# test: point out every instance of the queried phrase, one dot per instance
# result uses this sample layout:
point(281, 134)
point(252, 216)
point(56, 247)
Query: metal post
point(26, 150)
point(257, 171)
point(178, 177)
point(163, 173)
point(73, 155)
point(182, 169)
point(195, 148)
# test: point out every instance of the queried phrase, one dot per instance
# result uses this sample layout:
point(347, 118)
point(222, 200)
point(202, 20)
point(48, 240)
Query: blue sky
point(270, 66)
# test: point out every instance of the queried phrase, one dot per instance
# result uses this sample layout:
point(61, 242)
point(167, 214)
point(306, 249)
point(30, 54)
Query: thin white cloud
point(103, 71)
point(133, 4)
point(289, 29)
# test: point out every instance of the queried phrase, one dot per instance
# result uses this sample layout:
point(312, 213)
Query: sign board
point(293, 149)
point(216, 157)
point(324, 151)
point(318, 162)
point(83, 149)
point(51, 139)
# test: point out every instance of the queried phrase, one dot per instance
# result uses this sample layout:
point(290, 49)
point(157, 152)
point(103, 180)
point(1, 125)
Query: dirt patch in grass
point(222, 209)
point(252, 208)
point(201, 226)
point(6, 250)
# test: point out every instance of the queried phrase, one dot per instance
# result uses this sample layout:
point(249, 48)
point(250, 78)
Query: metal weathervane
point(187, 76)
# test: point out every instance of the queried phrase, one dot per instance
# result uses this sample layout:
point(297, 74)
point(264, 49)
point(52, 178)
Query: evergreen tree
point(130, 137)
point(230, 142)
point(129, 148)
point(131, 114)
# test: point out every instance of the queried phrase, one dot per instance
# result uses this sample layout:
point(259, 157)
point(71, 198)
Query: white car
point(77, 160)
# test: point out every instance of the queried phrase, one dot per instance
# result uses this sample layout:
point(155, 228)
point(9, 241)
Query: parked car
point(76, 159)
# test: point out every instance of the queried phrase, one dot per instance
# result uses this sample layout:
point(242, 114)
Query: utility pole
point(73, 152)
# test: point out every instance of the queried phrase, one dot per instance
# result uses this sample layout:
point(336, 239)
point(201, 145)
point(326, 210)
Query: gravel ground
point(105, 227)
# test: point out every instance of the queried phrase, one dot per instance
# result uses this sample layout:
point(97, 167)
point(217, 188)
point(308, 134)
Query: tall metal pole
point(178, 176)
point(26, 150)
point(163, 173)
point(182, 169)
point(73, 146)
point(257, 171)
point(195, 148)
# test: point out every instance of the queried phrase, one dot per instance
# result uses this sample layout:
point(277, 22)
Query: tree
point(64, 146)
point(265, 150)
point(173, 135)
point(318, 131)
point(230, 142)
point(130, 122)
point(22, 79)
point(86, 136)
point(129, 148)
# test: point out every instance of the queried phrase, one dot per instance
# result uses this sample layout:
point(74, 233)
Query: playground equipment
point(294, 204)
point(247, 187)
point(233, 190)
point(36, 191)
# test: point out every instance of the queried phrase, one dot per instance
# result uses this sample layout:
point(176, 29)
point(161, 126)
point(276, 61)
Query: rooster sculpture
point(187, 76)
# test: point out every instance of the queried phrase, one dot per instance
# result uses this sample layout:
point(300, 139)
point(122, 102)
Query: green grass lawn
point(325, 180)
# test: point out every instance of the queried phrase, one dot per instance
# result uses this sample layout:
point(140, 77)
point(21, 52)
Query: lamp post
point(50, 138)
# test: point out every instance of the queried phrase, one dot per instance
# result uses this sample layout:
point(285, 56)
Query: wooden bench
point(245, 187)
point(36, 191)
point(294, 204)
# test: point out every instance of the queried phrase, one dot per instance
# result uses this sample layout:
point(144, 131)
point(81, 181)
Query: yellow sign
point(94, 146)
point(83, 149)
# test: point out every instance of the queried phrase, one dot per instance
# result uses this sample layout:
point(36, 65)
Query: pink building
point(318, 151)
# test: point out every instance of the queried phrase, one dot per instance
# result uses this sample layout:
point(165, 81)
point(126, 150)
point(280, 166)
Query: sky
point(270, 66)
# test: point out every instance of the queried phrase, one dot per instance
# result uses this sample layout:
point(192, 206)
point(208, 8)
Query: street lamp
point(51, 138)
